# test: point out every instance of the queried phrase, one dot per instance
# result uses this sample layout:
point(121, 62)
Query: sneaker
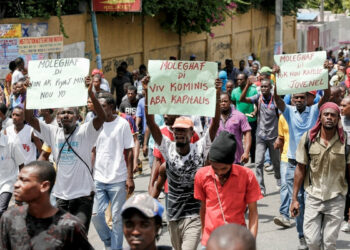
point(281, 221)
point(278, 184)
point(269, 168)
point(161, 195)
point(302, 243)
point(346, 227)
point(266, 165)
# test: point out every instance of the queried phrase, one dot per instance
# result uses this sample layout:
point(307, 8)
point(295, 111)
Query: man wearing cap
point(142, 222)
point(322, 149)
point(183, 159)
point(226, 189)
point(104, 85)
point(300, 118)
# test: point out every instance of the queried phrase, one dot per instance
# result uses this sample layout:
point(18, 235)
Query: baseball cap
point(250, 58)
point(183, 122)
point(265, 70)
point(145, 203)
point(313, 92)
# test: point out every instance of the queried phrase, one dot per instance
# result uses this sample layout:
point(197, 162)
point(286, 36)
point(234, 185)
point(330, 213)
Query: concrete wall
point(137, 39)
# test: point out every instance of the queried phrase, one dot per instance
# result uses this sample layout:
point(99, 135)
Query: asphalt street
point(270, 236)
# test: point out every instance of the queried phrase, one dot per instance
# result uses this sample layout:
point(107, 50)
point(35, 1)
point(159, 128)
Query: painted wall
point(137, 39)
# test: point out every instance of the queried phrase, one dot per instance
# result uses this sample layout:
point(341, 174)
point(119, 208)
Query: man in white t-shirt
point(18, 73)
point(183, 159)
point(23, 135)
point(71, 149)
point(11, 158)
point(113, 173)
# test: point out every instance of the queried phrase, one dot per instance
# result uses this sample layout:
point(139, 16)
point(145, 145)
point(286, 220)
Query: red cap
point(314, 92)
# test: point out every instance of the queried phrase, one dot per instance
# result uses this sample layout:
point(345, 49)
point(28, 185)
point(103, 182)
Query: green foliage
point(180, 16)
point(336, 6)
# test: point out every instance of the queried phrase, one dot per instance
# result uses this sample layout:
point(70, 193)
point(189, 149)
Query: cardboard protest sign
point(301, 72)
point(182, 87)
point(57, 83)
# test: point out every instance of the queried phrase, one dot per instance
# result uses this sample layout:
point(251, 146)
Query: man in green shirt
point(246, 108)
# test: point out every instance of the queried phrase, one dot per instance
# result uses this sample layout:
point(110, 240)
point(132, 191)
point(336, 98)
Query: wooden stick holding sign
point(182, 87)
point(301, 73)
point(57, 83)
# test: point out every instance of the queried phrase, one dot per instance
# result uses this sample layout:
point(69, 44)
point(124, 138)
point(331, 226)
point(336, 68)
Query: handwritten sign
point(40, 45)
point(182, 87)
point(301, 72)
point(117, 5)
point(57, 83)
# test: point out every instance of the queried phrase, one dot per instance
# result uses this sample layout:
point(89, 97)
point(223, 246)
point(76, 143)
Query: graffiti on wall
point(111, 64)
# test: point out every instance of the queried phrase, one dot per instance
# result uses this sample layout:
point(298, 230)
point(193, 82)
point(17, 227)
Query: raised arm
point(325, 97)
point(279, 101)
point(214, 126)
point(243, 97)
point(153, 127)
point(28, 113)
point(100, 114)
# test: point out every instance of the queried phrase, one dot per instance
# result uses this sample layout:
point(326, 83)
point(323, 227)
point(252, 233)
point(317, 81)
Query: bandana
point(315, 129)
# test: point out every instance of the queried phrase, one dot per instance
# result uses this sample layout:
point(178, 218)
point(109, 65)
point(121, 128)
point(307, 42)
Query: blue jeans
point(299, 221)
point(267, 157)
point(284, 194)
point(116, 194)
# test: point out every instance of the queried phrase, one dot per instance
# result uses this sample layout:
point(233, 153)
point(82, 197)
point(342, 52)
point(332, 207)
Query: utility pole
point(96, 41)
point(278, 48)
point(322, 11)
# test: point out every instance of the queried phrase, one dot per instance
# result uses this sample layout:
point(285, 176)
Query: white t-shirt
point(105, 85)
point(110, 165)
point(73, 177)
point(24, 140)
point(16, 75)
point(10, 158)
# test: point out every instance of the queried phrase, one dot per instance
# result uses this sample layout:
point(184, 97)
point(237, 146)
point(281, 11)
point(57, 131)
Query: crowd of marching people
point(69, 167)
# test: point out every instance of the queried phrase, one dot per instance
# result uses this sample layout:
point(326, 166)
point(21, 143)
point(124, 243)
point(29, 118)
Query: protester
point(124, 65)
point(142, 222)
point(237, 124)
point(319, 151)
point(231, 237)
point(345, 118)
point(19, 71)
point(113, 173)
point(282, 143)
point(37, 224)
point(300, 118)
point(183, 160)
point(130, 104)
point(118, 84)
point(6, 121)
point(230, 70)
point(71, 149)
point(23, 135)
point(8, 80)
point(233, 186)
point(104, 83)
point(242, 69)
point(266, 133)
point(246, 108)
point(11, 159)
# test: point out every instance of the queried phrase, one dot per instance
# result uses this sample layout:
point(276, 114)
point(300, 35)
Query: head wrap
point(315, 129)
point(223, 148)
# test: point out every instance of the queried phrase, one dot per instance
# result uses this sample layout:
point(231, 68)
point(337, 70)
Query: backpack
point(307, 145)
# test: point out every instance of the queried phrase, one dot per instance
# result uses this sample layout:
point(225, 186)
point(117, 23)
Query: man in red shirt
point(226, 189)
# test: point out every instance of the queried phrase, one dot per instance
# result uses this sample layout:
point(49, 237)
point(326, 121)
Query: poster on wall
point(117, 5)
point(34, 29)
point(37, 45)
point(10, 30)
point(8, 53)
